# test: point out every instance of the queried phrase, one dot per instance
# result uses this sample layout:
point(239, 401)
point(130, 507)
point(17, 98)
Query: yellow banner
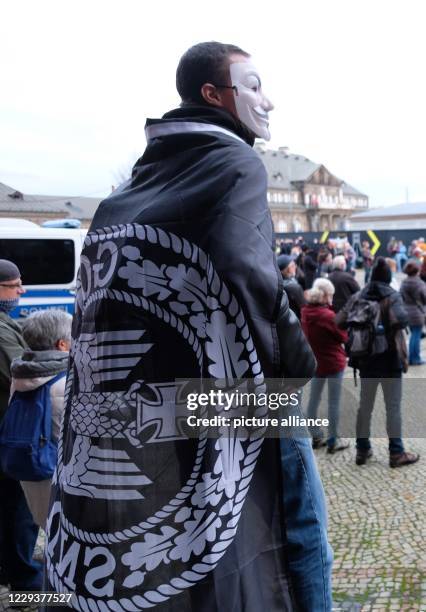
point(376, 242)
point(324, 237)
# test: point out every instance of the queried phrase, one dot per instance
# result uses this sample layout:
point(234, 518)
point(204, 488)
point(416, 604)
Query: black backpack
point(365, 329)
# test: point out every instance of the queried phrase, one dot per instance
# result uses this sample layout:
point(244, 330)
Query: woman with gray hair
point(48, 335)
point(326, 340)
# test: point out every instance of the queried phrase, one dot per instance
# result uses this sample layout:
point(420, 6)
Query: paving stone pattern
point(377, 526)
point(377, 529)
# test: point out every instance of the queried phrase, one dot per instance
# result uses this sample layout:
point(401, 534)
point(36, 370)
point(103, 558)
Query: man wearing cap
point(18, 532)
point(294, 291)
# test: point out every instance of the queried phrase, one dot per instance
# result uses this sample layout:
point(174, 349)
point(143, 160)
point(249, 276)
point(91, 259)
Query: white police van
point(48, 259)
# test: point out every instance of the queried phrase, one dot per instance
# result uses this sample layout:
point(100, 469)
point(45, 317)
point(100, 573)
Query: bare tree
point(124, 172)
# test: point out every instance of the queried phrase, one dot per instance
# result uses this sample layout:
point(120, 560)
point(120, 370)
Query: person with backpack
point(413, 291)
point(326, 340)
point(38, 385)
point(375, 318)
point(18, 532)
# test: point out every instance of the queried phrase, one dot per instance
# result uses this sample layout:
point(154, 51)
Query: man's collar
point(167, 128)
point(198, 118)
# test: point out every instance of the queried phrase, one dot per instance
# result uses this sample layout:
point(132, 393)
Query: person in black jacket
point(383, 369)
point(310, 266)
point(413, 291)
point(344, 283)
point(294, 291)
point(179, 282)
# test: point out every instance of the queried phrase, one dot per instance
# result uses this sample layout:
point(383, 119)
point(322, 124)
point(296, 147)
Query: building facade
point(411, 215)
point(302, 196)
point(306, 196)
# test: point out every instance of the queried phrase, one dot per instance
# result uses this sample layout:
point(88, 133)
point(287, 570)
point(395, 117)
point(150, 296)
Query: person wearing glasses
point(18, 531)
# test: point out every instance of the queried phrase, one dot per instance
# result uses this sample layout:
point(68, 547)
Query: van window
point(41, 262)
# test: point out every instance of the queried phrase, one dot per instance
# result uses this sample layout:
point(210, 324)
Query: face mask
point(251, 104)
point(8, 305)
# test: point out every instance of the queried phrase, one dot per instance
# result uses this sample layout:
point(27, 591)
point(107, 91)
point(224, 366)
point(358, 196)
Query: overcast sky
point(78, 80)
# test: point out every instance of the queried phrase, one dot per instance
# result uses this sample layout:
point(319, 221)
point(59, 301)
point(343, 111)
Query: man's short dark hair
point(411, 268)
point(206, 62)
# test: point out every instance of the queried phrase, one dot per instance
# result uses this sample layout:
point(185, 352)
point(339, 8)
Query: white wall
point(391, 224)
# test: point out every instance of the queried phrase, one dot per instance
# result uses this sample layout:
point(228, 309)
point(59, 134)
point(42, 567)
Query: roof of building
point(349, 190)
point(5, 190)
point(285, 168)
point(12, 201)
point(399, 210)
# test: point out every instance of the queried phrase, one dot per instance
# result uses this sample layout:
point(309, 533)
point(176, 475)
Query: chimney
point(284, 150)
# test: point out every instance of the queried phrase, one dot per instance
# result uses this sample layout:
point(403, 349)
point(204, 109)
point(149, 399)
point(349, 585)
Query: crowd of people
point(416, 251)
point(322, 291)
point(321, 295)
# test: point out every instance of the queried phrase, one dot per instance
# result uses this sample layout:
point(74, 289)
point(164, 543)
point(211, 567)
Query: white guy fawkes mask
point(251, 104)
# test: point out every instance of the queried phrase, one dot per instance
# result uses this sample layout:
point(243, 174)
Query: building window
point(282, 226)
point(41, 262)
point(297, 225)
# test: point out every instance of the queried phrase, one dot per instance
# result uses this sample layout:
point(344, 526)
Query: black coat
point(345, 286)
point(413, 291)
point(178, 280)
point(295, 296)
point(310, 267)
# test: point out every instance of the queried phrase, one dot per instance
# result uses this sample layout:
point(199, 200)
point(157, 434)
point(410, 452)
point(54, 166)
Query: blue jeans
point(401, 259)
point(18, 535)
point(334, 393)
point(309, 553)
point(392, 392)
point(367, 274)
point(414, 356)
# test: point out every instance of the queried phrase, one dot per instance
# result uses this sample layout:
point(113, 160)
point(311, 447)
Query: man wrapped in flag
point(178, 281)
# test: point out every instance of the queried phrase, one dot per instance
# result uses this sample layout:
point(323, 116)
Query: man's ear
point(212, 95)
point(62, 345)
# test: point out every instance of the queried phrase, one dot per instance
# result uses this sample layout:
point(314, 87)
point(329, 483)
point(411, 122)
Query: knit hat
point(283, 261)
point(8, 271)
point(381, 271)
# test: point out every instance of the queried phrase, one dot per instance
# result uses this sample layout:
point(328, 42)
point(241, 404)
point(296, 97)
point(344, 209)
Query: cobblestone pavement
point(377, 525)
point(377, 529)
